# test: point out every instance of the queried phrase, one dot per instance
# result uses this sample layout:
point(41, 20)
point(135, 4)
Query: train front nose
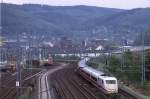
point(112, 88)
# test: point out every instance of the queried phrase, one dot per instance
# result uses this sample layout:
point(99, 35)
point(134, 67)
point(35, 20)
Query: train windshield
point(110, 81)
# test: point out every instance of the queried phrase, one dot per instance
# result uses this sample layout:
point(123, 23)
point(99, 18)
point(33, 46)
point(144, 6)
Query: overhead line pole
point(1, 43)
point(18, 82)
point(143, 60)
point(123, 58)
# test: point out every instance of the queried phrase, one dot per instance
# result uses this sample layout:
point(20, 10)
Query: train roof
point(3, 64)
point(93, 72)
point(82, 63)
point(97, 74)
point(107, 78)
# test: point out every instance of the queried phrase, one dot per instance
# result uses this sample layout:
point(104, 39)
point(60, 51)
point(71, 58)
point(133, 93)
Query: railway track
point(86, 93)
point(88, 87)
point(121, 93)
point(70, 85)
point(44, 90)
point(60, 91)
point(9, 88)
point(64, 90)
point(74, 81)
point(126, 95)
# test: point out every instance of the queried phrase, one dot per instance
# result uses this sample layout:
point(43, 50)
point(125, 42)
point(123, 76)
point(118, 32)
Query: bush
point(92, 64)
point(146, 85)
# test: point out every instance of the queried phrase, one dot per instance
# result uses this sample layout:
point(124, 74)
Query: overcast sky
point(123, 4)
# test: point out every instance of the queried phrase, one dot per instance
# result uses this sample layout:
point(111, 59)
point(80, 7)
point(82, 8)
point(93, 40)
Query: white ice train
point(107, 84)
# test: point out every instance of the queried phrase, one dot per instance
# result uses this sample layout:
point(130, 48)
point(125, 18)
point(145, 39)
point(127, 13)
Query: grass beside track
point(146, 97)
point(27, 94)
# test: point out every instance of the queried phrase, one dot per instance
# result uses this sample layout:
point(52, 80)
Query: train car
point(47, 62)
point(3, 66)
point(106, 83)
point(82, 63)
point(8, 66)
point(50, 61)
point(12, 66)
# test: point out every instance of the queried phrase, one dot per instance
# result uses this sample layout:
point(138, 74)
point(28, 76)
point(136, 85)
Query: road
point(44, 88)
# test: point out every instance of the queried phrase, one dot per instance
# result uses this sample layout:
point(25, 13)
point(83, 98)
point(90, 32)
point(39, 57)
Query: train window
point(94, 78)
point(110, 81)
point(3, 70)
point(102, 82)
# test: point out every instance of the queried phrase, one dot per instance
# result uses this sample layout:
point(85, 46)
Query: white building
point(100, 47)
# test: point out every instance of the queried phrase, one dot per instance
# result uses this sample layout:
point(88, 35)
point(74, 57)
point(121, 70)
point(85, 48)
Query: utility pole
point(122, 59)
point(0, 71)
point(18, 81)
point(1, 43)
point(123, 52)
point(143, 59)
